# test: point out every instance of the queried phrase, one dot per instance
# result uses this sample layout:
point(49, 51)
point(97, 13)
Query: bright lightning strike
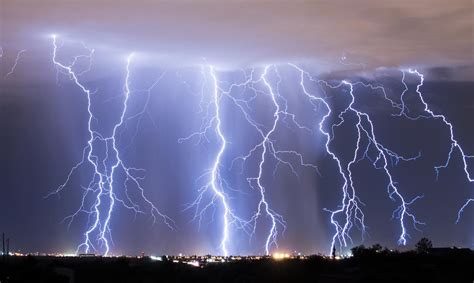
point(103, 185)
point(454, 142)
point(269, 150)
point(350, 206)
point(216, 184)
point(264, 144)
point(266, 148)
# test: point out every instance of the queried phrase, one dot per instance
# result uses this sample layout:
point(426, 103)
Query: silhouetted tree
point(358, 250)
point(334, 252)
point(386, 251)
point(376, 248)
point(423, 246)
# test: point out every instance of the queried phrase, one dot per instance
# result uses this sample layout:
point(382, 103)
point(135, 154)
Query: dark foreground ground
point(453, 267)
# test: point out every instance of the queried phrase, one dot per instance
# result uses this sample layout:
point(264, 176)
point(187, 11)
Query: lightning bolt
point(268, 148)
point(385, 155)
point(216, 184)
point(275, 218)
point(15, 63)
point(144, 110)
point(102, 185)
point(216, 181)
point(454, 142)
point(351, 205)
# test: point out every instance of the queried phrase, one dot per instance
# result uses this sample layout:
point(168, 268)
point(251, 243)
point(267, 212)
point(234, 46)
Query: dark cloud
point(375, 33)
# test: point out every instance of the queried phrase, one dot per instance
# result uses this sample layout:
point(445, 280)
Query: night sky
point(44, 121)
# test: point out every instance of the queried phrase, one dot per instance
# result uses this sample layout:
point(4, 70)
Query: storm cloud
point(336, 35)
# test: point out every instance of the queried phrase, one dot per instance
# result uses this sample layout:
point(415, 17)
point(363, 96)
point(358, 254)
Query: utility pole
point(3, 247)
